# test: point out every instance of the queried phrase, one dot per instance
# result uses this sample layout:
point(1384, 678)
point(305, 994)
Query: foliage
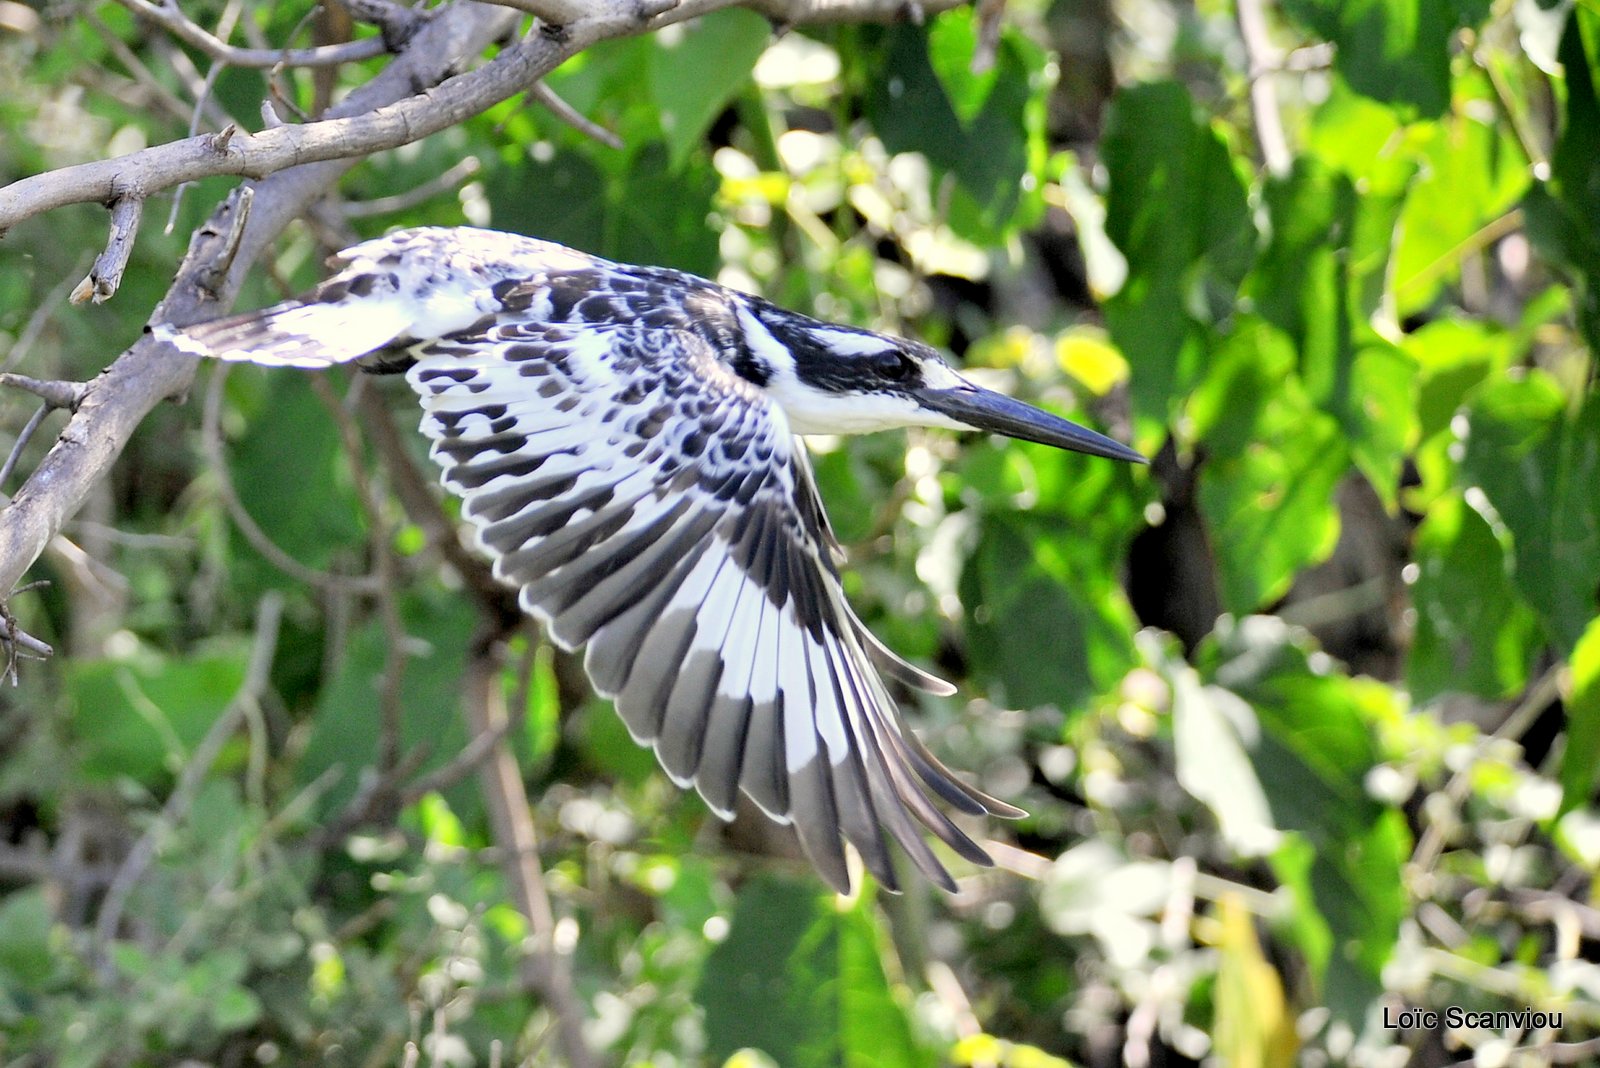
point(1306, 714)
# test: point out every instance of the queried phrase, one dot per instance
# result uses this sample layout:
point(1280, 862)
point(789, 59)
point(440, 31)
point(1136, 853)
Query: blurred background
point(1306, 715)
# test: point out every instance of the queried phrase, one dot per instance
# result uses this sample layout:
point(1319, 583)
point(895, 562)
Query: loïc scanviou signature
point(1455, 1016)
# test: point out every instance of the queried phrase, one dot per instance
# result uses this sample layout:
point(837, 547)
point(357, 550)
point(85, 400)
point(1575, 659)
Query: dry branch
point(106, 274)
point(412, 97)
point(148, 372)
point(170, 18)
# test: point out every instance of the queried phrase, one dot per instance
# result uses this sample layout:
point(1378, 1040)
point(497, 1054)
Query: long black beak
point(999, 414)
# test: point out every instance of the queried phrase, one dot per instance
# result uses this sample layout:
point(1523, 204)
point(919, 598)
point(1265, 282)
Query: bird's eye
point(894, 365)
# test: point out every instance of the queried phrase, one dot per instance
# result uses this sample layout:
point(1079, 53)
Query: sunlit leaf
point(1396, 51)
point(1175, 207)
point(1563, 213)
point(952, 42)
point(1474, 632)
point(1539, 468)
point(1313, 756)
point(1255, 1024)
point(996, 156)
point(1580, 763)
point(1271, 465)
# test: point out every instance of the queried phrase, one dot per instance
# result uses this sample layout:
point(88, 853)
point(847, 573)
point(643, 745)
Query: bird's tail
point(332, 324)
point(387, 293)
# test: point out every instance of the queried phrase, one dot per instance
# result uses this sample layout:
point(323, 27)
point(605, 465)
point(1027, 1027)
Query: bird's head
point(831, 379)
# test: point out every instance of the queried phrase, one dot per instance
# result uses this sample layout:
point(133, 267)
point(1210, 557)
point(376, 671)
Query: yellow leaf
point(1254, 1025)
point(1087, 356)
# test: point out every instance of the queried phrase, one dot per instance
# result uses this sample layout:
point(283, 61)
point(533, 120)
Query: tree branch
point(295, 165)
point(510, 816)
point(106, 274)
point(167, 15)
point(355, 133)
point(149, 372)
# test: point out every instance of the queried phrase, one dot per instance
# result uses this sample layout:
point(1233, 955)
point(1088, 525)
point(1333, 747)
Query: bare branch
point(354, 133)
point(23, 437)
point(1263, 59)
point(55, 393)
point(573, 117)
point(441, 183)
point(511, 820)
point(170, 18)
point(106, 274)
point(256, 679)
point(150, 372)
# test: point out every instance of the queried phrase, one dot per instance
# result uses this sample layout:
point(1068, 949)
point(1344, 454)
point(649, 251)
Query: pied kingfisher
point(623, 440)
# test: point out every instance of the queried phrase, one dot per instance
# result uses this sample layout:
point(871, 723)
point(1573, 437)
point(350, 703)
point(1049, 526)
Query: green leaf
point(26, 957)
point(1540, 471)
point(1563, 213)
point(696, 69)
point(1474, 632)
point(141, 717)
point(1272, 463)
point(1397, 51)
point(1320, 279)
point(345, 729)
point(1175, 206)
point(952, 42)
point(1312, 757)
point(1048, 620)
point(1580, 763)
point(800, 978)
point(1472, 172)
point(997, 155)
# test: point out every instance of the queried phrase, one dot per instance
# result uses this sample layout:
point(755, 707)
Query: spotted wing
point(650, 504)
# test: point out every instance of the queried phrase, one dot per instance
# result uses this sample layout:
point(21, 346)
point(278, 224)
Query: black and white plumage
point(623, 440)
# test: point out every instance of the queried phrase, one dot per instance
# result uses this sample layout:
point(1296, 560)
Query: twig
point(1534, 702)
point(19, 643)
point(421, 194)
point(549, 963)
point(41, 316)
point(21, 443)
point(170, 18)
point(472, 755)
point(202, 97)
point(136, 67)
point(106, 274)
point(990, 14)
point(357, 128)
point(57, 393)
point(1263, 58)
point(573, 117)
point(260, 540)
point(256, 679)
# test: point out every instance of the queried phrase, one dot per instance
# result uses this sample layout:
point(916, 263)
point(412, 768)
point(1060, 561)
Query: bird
point(626, 444)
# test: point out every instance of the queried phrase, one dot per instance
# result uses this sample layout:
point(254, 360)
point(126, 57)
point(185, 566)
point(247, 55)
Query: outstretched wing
point(646, 501)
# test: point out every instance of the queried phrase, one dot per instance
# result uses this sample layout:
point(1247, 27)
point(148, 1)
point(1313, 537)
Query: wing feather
point(644, 499)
